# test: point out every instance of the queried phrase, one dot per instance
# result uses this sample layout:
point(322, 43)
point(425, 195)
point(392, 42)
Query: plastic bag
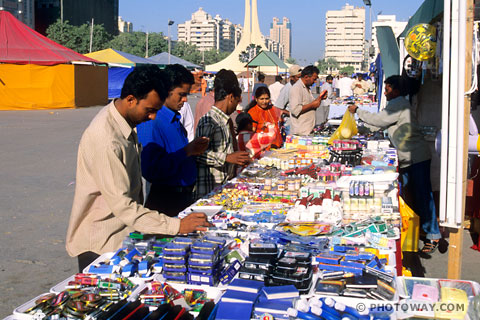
point(261, 140)
point(347, 128)
point(410, 232)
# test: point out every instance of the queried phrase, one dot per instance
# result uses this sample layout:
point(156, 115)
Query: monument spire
point(246, 21)
point(256, 36)
point(251, 35)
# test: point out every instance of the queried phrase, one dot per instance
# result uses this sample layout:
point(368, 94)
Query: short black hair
point(396, 83)
point(278, 78)
point(261, 77)
point(178, 76)
point(144, 79)
point(243, 120)
point(309, 70)
point(225, 83)
point(329, 77)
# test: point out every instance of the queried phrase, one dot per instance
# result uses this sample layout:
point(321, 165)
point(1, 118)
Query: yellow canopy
point(115, 56)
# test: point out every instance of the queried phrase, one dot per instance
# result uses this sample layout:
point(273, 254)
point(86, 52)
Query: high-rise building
point(124, 26)
point(77, 12)
point(386, 20)
point(23, 10)
point(275, 47)
point(345, 36)
point(281, 32)
point(207, 32)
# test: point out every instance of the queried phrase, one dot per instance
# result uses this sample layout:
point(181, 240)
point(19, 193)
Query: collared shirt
point(300, 95)
point(108, 192)
point(212, 168)
point(403, 130)
point(282, 101)
point(164, 160)
point(330, 94)
point(275, 89)
point(345, 86)
point(187, 120)
point(321, 114)
point(359, 91)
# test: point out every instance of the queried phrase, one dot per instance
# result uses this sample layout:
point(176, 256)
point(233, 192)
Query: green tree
point(347, 69)
point(157, 43)
point(322, 66)
point(187, 52)
point(291, 60)
point(78, 38)
point(249, 53)
point(213, 56)
point(327, 65)
point(135, 43)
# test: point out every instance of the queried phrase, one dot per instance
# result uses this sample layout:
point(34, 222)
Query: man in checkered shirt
point(217, 164)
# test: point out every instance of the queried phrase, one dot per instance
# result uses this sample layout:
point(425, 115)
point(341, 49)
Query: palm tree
point(249, 53)
point(332, 64)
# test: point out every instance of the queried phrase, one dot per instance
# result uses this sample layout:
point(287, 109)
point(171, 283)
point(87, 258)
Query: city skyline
point(307, 18)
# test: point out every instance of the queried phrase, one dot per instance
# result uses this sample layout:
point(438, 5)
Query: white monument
point(251, 35)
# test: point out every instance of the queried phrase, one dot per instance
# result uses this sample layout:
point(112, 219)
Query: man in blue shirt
point(168, 160)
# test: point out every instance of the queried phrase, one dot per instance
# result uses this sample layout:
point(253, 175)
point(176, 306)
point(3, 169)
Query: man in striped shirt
point(217, 164)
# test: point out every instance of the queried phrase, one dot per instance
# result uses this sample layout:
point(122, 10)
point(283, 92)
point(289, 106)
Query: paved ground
point(37, 175)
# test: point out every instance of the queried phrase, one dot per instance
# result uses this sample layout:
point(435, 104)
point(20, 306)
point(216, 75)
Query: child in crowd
point(248, 140)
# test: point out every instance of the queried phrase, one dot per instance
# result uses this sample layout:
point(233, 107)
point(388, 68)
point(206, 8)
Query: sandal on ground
point(430, 246)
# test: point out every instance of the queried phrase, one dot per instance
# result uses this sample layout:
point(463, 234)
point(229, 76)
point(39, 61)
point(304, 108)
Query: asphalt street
point(37, 174)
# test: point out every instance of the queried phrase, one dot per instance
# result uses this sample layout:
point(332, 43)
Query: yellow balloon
point(421, 42)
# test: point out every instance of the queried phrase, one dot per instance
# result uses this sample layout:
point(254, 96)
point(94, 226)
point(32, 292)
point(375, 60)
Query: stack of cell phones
point(204, 263)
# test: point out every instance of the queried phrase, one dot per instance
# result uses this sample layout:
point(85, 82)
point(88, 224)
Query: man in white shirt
point(321, 114)
point(275, 89)
point(187, 120)
point(345, 86)
point(359, 86)
point(282, 101)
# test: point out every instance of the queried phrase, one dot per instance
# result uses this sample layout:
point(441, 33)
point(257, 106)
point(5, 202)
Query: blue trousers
point(417, 193)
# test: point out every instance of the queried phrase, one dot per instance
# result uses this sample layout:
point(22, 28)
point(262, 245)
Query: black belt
point(177, 189)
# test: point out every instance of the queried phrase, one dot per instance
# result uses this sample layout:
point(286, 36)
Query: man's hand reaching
point(197, 146)
point(195, 221)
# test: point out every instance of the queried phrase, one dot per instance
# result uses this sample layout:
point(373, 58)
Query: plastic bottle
point(351, 189)
point(361, 189)
point(326, 304)
point(367, 189)
point(303, 315)
point(302, 305)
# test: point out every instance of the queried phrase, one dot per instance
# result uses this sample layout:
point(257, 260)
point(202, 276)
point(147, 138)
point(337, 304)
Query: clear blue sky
point(306, 16)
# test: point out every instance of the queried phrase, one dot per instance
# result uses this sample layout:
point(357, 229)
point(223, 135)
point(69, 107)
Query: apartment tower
point(281, 32)
point(345, 36)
